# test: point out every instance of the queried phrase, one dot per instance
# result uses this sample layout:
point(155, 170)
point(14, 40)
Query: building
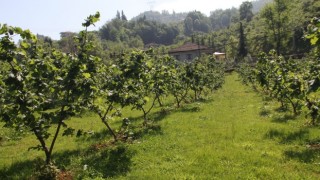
point(189, 51)
point(220, 56)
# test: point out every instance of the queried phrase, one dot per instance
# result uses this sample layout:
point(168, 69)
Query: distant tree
point(221, 19)
point(196, 24)
point(67, 43)
point(280, 7)
point(123, 17)
point(165, 12)
point(212, 42)
point(188, 25)
point(46, 42)
point(276, 20)
point(118, 16)
point(162, 17)
point(192, 38)
point(202, 41)
point(242, 51)
point(196, 21)
point(246, 11)
point(225, 20)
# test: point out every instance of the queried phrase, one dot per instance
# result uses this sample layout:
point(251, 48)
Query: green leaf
point(86, 75)
point(24, 45)
point(18, 30)
point(314, 40)
point(31, 62)
point(59, 78)
point(146, 99)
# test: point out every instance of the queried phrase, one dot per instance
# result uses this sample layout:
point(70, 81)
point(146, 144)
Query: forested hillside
point(265, 25)
point(164, 17)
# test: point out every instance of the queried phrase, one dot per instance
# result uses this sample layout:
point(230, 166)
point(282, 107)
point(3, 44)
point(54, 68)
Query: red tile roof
point(188, 47)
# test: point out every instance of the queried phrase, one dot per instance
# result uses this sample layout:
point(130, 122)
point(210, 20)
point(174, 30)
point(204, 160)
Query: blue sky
point(50, 17)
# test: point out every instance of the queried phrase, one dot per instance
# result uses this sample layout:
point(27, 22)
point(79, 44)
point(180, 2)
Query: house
point(189, 51)
point(220, 56)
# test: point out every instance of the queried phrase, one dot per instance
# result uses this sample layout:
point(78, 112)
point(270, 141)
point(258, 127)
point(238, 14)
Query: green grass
point(235, 133)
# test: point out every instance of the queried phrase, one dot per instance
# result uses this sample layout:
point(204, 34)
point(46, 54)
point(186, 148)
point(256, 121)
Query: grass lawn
point(235, 133)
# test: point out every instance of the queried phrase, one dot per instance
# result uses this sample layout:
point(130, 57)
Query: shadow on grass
point(274, 134)
point(283, 118)
point(154, 116)
point(18, 170)
point(95, 136)
point(137, 130)
point(107, 163)
point(285, 138)
point(111, 161)
point(64, 159)
point(195, 107)
point(298, 137)
point(152, 130)
point(281, 109)
point(267, 98)
point(204, 100)
point(306, 156)
point(265, 112)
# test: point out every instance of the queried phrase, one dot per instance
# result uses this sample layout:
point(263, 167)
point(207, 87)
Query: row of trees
point(293, 82)
point(41, 88)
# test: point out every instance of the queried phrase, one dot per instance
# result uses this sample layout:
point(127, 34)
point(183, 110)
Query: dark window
point(189, 56)
point(177, 57)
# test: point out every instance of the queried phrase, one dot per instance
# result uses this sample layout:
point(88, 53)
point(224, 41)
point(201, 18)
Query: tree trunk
point(43, 145)
point(104, 121)
point(110, 130)
point(177, 101)
point(159, 101)
point(146, 112)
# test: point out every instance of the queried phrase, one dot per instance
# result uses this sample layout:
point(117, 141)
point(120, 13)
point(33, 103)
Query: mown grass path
point(234, 135)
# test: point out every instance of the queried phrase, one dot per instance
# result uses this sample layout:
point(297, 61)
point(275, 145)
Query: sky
point(50, 17)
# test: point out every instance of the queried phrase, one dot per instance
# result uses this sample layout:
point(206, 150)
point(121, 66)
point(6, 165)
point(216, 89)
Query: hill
point(163, 17)
point(167, 17)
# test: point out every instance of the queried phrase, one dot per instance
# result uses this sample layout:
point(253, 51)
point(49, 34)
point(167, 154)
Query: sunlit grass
point(235, 133)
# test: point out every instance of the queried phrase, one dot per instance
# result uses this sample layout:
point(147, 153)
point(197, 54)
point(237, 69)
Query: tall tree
point(67, 43)
point(118, 16)
point(276, 20)
point(242, 51)
point(196, 21)
point(246, 11)
point(123, 17)
point(280, 7)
